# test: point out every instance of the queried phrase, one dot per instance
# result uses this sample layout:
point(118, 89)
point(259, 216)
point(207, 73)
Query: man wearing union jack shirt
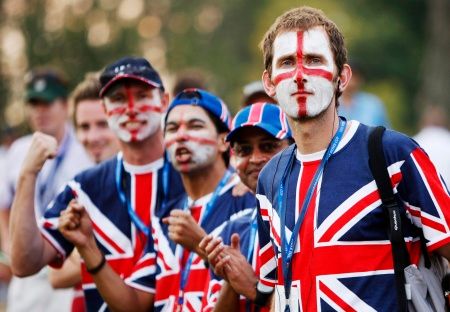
point(322, 228)
point(106, 212)
point(258, 132)
point(195, 129)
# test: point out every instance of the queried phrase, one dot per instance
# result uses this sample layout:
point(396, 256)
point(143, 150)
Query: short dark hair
point(88, 89)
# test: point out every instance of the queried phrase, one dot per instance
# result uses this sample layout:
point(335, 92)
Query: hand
point(213, 248)
point(240, 189)
point(75, 225)
point(184, 230)
point(238, 272)
point(42, 147)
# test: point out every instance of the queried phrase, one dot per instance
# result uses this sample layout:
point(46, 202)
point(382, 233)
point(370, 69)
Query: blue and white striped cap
point(266, 116)
point(204, 99)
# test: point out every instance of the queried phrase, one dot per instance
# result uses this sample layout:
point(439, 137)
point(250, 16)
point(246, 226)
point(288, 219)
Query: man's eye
point(117, 99)
point(269, 147)
point(287, 62)
point(242, 150)
point(314, 61)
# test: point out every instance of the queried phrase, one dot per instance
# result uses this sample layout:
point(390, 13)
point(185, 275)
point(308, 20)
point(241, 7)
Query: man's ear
point(222, 143)
point(344, 77)
point(269, 86)
point(164, 100)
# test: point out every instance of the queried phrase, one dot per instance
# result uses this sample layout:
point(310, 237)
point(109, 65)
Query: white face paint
point(190, 138)
point(302, 71)
point(134, 112)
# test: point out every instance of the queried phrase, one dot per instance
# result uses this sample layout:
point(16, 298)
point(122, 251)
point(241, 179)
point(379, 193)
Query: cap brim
point(128, 77)
point(269, 129)
point(40, 96)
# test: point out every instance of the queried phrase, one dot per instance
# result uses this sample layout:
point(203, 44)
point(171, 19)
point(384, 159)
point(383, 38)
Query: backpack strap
point(378, 166)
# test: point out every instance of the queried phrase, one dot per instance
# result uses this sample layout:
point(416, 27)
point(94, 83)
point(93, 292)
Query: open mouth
point(133, 124)
point(182, 155)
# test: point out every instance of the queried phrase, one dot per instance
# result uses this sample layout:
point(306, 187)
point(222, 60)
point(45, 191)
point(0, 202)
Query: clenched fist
point(42, 147)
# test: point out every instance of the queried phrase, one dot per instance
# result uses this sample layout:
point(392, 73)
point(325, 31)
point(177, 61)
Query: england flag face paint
point(303, 71)
point(134, 111)
point(190, 138)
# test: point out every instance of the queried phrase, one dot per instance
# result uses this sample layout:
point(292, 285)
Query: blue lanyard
point(251, 241)
point(287, 249)
point(187, 268)
point(134, 217)
point(165, 182)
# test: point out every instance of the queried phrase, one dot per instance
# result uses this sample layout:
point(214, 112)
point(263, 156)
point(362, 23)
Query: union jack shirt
point(117, 236)
point(250, 249)
point(171, 257)
point(342, 260)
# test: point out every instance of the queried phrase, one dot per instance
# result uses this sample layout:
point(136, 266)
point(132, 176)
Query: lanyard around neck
point(120, 185)
point(209, 207)
point(287, 248)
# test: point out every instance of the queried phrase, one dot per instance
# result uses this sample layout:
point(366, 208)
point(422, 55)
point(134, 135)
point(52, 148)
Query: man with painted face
point(259, 131)
point(105, 212)
point(323, 232)
point(197, 123)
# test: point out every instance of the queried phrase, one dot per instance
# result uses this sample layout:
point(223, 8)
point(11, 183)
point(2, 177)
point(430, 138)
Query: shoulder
point(98, 173)
point(20, 145)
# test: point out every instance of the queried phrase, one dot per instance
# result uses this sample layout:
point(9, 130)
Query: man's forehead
point(187, 113)
point(312, 39)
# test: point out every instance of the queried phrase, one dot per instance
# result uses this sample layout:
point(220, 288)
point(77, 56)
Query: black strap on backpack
point(378, 166)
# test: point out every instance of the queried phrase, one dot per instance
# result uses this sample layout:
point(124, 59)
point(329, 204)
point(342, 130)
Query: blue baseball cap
point(206, 100)
point(129, 68)
point(266, 116)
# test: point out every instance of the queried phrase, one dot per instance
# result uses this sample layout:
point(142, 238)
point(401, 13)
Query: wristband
point(261, 298)
point(97, 268)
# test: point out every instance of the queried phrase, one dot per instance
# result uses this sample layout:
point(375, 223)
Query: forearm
point(29, 250)
point(228, 299)
point(4, 229)
point(68, 276)
point(117, 294)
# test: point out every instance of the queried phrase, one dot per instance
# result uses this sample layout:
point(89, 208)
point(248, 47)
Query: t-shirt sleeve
point(266, 255)
point(48, 224)
point(426, 198)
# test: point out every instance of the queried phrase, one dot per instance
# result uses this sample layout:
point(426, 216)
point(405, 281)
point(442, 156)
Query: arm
point(70, 273)
point(76, 227)
point(184, 230)
point(29, 250)
point(228, 299)
point(4, 229)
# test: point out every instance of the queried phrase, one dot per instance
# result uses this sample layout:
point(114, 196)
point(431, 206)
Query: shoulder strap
point(378, 166)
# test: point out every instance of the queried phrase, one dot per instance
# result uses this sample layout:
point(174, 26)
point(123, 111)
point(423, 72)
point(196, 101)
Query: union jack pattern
point(169, 255)
point(342, 260)
point(242, 226)
point(118, 238)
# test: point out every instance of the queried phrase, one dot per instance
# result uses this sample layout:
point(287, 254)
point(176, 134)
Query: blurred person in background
point(92, 130)
point(254, 92)
point(47, 108)
point(189, 78)
point(359, 105)
point(434, 138)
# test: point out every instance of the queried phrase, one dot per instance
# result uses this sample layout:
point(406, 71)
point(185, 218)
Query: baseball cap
point(266, 116)
point(129, 68)
point(204, 99)
point(45, 85)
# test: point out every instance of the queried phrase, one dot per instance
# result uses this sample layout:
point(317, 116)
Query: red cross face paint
point(303, 68)
point(190, 138)
point(134, 111)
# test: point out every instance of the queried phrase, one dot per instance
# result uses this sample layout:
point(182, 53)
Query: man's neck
point(143, 152)
point(204, 181)
point(314, 135)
